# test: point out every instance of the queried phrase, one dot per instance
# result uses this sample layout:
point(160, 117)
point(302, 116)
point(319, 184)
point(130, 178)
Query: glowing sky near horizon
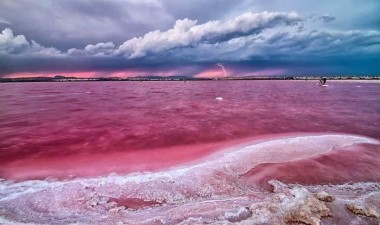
point(188, 38)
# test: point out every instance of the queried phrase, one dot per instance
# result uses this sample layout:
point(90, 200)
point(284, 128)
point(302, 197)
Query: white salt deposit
point(208, 192)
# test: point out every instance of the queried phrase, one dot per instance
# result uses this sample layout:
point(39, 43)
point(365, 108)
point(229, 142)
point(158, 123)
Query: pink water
point(81, 130)
point(53, 125)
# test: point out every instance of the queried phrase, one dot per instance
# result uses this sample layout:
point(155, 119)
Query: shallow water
point(174, 152)
point(51, 126)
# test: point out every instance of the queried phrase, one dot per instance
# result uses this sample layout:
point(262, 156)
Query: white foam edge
point(30, 186)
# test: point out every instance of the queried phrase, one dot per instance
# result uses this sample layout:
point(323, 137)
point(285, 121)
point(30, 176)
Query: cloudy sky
point(182, 37)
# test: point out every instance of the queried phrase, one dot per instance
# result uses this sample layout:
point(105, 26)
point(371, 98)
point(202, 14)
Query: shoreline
point(355, 81)
point(184, 79)
point(196, 155)
point(214, 192)
point(115, 163)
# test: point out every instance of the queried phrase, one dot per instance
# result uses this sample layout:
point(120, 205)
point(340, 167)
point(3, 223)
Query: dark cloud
point(74, 24)
point(188, 33)
point(70, 23)
point(4, 21)
point(327, 18)
point(200, 10)
point(349, 14)
point(189, 36)
point(308, 52)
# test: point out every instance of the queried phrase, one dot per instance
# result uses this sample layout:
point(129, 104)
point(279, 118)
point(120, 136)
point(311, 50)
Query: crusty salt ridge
point(290, 205)
point(323, 196)
point(209, 192)
point(366, 205)
point(286, 204)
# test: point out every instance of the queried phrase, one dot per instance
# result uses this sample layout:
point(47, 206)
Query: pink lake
point(132, 126)
point(230, 136)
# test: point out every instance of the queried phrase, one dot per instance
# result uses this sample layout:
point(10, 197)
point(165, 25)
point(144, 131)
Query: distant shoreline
point(361, 81)
point(367, 79)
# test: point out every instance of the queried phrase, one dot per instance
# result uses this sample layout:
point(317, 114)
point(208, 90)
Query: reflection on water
point(40, 121)
point(210, 152)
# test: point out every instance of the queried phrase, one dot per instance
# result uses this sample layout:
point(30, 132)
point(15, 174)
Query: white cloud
point(38, 49)
point(188, 33)
point(10, 43)
point(14, 45)
point(100, 49)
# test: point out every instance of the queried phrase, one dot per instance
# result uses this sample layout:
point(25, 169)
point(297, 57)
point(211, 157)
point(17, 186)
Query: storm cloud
point(130, 38)
point(327, 18)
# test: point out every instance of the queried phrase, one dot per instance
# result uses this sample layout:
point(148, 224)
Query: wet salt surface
point(215, 191)
point(177, 155)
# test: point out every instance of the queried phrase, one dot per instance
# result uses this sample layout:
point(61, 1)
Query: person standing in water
point(322, 80)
